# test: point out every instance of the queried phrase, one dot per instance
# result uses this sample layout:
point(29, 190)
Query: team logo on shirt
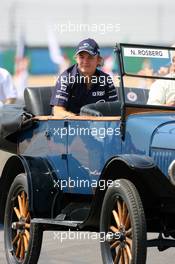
point(61, 97)
point(63, 86)
point(132, 96)
point(98, 93)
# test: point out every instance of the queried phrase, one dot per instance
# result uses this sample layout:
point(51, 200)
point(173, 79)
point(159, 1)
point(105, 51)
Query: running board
point(162, 244)
point(49, 221)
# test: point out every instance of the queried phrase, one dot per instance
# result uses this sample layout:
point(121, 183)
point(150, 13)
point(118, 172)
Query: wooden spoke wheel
point(123, 222)
point(23, 239)
point(21, 227)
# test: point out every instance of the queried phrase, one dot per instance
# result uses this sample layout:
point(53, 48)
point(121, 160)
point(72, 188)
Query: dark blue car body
point(69, 163)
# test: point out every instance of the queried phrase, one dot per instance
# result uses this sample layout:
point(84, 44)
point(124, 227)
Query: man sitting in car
point(82, 83)
point(162, 92)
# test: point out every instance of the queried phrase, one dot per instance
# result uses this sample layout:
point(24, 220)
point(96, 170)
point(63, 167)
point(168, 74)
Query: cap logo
point(86, 44)
point(91, 47)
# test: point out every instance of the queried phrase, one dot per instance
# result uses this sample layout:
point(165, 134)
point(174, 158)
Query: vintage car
point(109, 170)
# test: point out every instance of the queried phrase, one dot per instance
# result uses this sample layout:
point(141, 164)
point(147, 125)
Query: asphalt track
point(79, 251)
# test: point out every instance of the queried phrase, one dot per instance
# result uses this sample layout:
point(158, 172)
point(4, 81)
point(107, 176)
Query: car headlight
point(171, 172)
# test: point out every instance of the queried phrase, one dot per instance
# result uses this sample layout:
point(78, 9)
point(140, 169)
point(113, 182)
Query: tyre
point(123, 225)
point(22, 239)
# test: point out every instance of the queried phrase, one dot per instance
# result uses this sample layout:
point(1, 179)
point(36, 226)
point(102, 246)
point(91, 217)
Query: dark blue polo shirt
point(72, 93)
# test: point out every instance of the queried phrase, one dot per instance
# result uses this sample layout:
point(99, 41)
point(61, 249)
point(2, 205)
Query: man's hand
point(10, 101)
point(172, 103)
point(61, 112)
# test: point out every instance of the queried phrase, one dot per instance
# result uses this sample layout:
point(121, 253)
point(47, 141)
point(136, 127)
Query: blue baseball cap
point(88, 45)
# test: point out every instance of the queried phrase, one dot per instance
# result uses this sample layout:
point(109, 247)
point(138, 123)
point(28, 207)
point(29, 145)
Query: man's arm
point(60, 111)
point(60, 96)
point(9, 101)
point(111, 92)
point(157, 93)
point(9, 90)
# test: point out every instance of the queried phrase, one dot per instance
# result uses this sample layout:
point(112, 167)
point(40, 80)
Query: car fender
point(139, 169)
point(142, 172)
point(41, 180)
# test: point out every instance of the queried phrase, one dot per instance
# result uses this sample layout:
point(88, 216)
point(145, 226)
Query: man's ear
point(75, 57)
point(101, 61)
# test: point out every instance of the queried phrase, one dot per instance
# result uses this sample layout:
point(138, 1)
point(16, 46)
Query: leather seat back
point(102, 109)
point(37, 100)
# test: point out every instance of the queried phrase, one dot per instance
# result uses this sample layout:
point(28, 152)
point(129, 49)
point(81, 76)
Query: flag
point(54, 49)
point(21, 66)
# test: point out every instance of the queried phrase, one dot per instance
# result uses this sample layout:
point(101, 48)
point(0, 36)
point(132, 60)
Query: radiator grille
point(163, 158)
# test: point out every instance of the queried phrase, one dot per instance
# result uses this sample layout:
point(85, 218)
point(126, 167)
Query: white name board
point(151, 53)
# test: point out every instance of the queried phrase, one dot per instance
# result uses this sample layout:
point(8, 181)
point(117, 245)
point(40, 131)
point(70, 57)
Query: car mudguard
point(142, 172)
point(41, 184)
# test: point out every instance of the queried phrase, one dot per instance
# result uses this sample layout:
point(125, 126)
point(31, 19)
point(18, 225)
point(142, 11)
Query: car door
point(90, 144)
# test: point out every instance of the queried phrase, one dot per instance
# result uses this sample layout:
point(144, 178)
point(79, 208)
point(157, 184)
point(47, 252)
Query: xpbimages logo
point(81, 235)
point(100, 28)
point(85, 183)
point(71, 79)
point(97, 132)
